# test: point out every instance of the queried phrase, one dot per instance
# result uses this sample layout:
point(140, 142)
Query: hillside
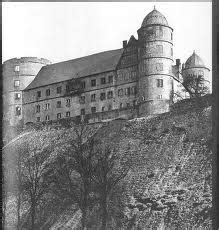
point(168, 182)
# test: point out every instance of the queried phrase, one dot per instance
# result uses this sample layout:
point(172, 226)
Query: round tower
point(195, 72)
point(18, 73)
point(155, 64)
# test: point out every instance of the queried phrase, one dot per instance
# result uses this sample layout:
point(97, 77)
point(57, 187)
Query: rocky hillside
point(168, 184)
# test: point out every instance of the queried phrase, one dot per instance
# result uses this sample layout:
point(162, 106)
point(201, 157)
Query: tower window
point(159, 96)
point(93, 97)
point(18, 111)
point(67, 88)
point(17, 96)
point(17, 68)
point(16, 83)
point(93, 82)
point(48, 92)
point(68, 103)
point(59, 115)
point(58, 104)
point(47, 118)
point(38, 108)
point(93, 109)
point(59, 90)
point(102, 96)
point(103, 80)
point(160, 49)
point(82, 111)
point(68, 114)
point(47, 106)
point(159, 66)
point(38, 93)
point(160, 83)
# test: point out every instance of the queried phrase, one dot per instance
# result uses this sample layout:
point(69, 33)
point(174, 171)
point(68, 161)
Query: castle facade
point(133, 81)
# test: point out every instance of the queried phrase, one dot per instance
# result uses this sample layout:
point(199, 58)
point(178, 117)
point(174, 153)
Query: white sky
point(62, 31)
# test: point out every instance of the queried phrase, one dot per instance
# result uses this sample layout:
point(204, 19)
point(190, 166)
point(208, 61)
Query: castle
point(133, 81)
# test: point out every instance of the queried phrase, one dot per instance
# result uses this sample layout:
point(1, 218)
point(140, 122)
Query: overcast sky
point(62, 31)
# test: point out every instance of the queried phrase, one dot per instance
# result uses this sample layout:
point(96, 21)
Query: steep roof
point(194, 61)
point(154, 17)
point(80, 67)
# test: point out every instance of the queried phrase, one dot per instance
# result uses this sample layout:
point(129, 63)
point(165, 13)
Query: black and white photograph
point(107, 116)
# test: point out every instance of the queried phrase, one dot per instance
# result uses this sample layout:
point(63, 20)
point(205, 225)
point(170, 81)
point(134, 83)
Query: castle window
point(93, 97)
point(38, 119)
point(120, 92)
point(159, 96)
point(127, 91)
point(59, 115)
point(103, 80)
point(16, 83)
point(83, 84)
point(103, 109)
point(58, 104)
point(17, 68)
point(160, 83)
point(37, 108)
point(110, 94)
point(47, 92)
point(110, 107)
point(93, 109)
point(159, 66)
point(93, 82)
point(82, 99)
point(47, 118)
point(82, 111)
point(102, 96)
point(59, 90)
point(17, 96)
point(160, 49)
point(110, 78)
point(18, 111)
point(67, 88)
point(120, 106)
point(47, 106)
point(38, 93)
point(133, 90)
point(68, 103)
point(68, 114)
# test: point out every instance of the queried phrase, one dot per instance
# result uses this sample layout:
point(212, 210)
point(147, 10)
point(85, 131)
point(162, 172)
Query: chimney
point(178, 62)
point(124, 43)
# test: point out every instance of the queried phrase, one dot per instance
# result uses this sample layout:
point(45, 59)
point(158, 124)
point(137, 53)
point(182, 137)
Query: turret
point(155, 64)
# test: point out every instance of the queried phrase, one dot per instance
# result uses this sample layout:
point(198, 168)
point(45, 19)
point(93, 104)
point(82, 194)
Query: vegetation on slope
point(147, 173)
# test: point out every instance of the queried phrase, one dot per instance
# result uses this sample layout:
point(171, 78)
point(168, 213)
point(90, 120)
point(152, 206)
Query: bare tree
point(112, 166)
point(73, 168)
point(33, 160)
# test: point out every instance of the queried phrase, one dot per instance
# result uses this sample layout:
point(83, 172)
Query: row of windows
point(82, 112)
point(83, 85)
point(127, 91)
point(157, 66)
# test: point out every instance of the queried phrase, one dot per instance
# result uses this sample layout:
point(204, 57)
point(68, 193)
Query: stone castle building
point(133, 81)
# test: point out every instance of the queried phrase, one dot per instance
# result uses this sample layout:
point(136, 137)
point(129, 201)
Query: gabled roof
point(80, 67)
